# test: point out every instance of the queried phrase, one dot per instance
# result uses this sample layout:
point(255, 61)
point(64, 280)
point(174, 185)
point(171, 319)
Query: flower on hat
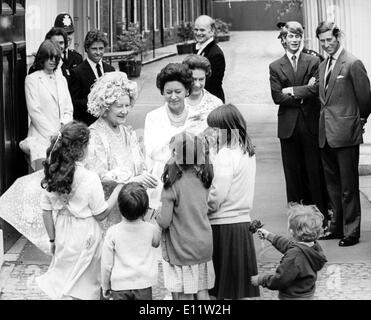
point(108, 89)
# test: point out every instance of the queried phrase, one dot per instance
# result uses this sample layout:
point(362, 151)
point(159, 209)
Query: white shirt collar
point(201, 46)
point(290, 55)
point(336, 55)
point(93, 66)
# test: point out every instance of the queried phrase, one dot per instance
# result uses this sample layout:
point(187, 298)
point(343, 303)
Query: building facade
point(156, 19)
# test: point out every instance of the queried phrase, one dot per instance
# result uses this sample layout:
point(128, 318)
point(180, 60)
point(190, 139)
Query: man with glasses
point(71, 58)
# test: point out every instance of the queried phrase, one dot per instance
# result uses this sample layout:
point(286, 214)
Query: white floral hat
point(108, 89)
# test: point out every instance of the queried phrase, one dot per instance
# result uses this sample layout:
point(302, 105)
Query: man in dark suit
point(293, 88)
point(84, 76)
point(71, 58)
point(280, 26)
point(344, 91)
point(204, 31)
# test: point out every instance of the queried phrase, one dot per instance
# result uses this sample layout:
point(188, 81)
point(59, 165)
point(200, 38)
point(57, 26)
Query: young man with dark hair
point(298, 116)
point(86, 73)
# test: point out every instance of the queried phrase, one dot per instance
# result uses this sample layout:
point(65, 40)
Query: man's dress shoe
point(348, 241)
point(330, 236)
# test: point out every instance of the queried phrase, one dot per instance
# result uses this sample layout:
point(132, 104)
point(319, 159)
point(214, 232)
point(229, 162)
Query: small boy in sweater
point(129, 266)
point(296, 275)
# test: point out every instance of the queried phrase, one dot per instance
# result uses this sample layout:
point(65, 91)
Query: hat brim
point(69, 29)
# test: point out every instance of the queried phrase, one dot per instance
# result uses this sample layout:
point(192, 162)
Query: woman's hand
point(146, 179)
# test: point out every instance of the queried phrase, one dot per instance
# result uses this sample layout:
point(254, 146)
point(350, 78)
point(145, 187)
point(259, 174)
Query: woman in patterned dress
point(114, 151)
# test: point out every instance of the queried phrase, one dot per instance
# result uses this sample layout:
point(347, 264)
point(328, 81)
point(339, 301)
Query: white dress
point(158, 132)
point(75, 268)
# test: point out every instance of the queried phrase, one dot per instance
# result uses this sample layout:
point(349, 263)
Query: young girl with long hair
point(73, 203)
point(187, 247)
point(229, 204)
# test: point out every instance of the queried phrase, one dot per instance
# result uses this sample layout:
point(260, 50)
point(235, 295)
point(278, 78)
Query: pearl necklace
point(177, 120)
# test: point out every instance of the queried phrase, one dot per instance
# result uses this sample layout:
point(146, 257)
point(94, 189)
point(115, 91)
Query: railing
point(118, 56)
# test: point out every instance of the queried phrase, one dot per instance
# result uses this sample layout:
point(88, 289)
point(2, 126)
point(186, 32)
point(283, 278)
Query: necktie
point(329, 70)
point(99, 71)
point(294, 65)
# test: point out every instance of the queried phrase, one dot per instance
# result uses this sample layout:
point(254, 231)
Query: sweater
point(128, 259)
point(232, 190)
point(296, 274)
point(187, 231)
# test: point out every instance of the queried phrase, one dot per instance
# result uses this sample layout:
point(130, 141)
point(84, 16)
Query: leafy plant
point(132, 40)
point(222, 27)
point(286, 6)
point(185, 31)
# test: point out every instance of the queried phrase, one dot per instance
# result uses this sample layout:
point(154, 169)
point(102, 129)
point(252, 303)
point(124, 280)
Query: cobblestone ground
point(335, 282)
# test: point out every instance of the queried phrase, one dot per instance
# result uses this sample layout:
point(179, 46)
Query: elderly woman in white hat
point(114, 151)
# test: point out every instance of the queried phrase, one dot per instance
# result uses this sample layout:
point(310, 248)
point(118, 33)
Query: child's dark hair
point(133, 201)
point(65, 149)
point(232, 124)
point(188, 153)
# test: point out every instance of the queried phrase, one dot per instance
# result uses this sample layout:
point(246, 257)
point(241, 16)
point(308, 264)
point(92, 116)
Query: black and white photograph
point(204, 151)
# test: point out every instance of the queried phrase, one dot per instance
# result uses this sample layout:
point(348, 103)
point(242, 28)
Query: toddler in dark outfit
point(303, 257)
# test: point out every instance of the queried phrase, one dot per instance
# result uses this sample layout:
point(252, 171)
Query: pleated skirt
point(234, 261)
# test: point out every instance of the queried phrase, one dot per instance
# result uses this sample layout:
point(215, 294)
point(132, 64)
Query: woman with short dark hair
point(175, 83)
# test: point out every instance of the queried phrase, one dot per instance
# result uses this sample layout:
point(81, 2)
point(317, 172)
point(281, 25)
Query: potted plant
point(185, 33)
point(222, 30)
point(131, 41)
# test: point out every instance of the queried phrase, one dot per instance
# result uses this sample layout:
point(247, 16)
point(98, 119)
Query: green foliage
point(222, 27)
point(286, 6)
point(185, 31)
point(132, 40)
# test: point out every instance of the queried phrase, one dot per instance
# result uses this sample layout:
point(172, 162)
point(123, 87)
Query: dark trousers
point(341, 174)
point(137, 294)
point(303, 168)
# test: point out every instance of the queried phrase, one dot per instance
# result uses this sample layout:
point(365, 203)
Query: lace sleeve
point(137, 151)
point(100, 160)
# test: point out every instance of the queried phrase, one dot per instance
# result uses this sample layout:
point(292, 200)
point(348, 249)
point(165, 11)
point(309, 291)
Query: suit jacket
point(82, 78)
point(46, 110)
point(216, 57)
point(346, 101)
point(73, 59)
point(305, 97)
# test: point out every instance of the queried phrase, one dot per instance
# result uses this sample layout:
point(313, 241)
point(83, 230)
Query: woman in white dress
point(114, 151)
point(176, 83)
point(49, 103)
point(73, 203)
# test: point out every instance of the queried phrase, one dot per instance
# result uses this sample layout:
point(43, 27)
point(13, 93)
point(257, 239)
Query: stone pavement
point(337, 281)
